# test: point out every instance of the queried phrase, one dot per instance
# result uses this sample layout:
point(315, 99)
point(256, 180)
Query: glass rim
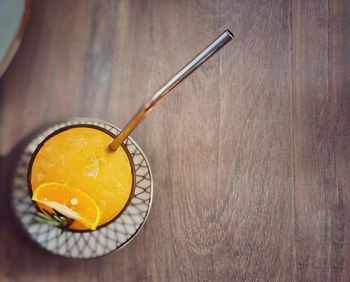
point(97, 127)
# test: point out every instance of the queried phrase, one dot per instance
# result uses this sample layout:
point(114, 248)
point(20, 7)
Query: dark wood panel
point(339, 256)
point(314, 139)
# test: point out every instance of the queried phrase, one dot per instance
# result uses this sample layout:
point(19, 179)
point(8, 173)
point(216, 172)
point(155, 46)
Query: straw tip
point(229, 33)
point(112, 148)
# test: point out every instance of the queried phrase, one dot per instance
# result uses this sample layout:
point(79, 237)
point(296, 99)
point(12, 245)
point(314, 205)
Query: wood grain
point(254, 211)
point(314, 137)
point(249, 156)
point(339, 255)
point(321, 215)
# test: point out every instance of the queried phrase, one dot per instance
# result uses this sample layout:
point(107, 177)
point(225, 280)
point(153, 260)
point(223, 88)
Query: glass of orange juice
point(73, 175)
point(84, 200)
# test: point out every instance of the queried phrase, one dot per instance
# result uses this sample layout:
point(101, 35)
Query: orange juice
point(78, 157)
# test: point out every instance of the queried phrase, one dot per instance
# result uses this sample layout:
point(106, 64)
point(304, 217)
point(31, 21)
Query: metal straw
point(219, 42)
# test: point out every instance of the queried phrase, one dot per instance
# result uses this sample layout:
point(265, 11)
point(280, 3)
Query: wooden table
point(250, 155)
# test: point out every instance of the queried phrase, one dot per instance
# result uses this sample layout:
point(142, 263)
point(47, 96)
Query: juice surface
point(79, 158)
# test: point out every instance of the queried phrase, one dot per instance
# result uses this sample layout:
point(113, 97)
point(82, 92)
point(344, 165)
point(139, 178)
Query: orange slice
point(71, 202)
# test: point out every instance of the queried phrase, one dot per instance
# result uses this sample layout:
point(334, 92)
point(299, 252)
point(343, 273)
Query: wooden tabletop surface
point(250, 156)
